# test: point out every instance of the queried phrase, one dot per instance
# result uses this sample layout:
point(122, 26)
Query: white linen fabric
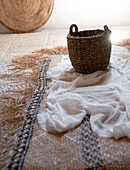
point(104, 95)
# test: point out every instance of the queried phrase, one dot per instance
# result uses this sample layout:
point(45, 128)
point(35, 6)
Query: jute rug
point(25, 75)
point(25, 146)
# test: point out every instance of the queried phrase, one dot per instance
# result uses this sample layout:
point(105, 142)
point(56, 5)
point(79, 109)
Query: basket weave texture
point(89, 50)
point(25, 15)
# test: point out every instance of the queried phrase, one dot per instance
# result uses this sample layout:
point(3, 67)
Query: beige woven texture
point(54, 151)
point(12, 46)
point(49, 151)
point(68, 150)
point(25, 15)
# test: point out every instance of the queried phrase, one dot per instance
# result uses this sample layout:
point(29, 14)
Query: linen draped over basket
point(25, 15)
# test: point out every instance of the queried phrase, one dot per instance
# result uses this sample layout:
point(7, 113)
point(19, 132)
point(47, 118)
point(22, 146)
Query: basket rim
point(87, 37)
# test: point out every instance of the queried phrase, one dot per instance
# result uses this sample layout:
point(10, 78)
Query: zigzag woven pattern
point(28, 126)
point(90, 149)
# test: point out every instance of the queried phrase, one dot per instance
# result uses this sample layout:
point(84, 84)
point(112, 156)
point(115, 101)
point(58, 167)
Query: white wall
point(87, 13)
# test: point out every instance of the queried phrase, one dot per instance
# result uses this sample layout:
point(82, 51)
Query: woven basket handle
point(106, 30)
point(71, 28)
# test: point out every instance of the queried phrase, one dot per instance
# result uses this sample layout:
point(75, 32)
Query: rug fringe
point(123, 42)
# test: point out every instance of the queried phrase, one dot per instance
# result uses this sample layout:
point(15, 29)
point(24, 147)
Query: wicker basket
point(89, 51)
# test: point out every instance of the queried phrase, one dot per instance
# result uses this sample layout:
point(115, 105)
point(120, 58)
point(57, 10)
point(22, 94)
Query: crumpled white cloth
point(104, 95)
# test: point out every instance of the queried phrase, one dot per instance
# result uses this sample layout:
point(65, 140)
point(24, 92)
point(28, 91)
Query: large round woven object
point(25, 15)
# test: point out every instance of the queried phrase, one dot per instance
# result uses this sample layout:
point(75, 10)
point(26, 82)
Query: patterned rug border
point(90, 148)
point(91, 153)
point(26, 134)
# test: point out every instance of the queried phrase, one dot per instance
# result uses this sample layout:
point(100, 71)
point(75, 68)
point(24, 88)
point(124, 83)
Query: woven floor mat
point(79, 148)
point(76, 149)
point(23, 79)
